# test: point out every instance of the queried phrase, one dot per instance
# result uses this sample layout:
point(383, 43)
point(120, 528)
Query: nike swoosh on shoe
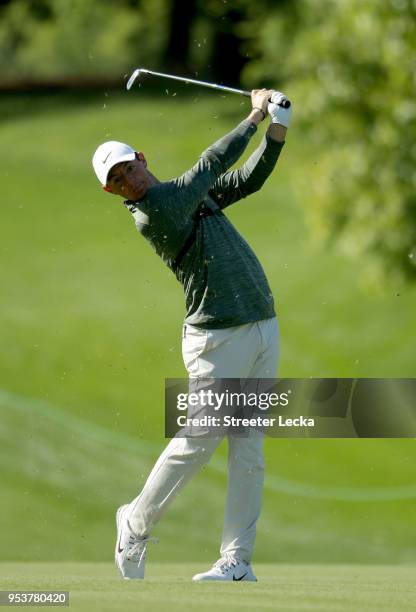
point(241, 577)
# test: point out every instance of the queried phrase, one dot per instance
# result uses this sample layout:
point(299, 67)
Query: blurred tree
point(227, 44)
point(177, 52)
point(350, 67)
point(225, 54)
point(59, 38)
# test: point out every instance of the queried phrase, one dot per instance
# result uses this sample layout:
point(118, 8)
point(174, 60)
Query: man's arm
point(237, 184)
point(191, 188)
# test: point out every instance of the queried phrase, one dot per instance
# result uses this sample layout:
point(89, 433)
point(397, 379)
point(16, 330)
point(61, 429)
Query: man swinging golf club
point(230, 329)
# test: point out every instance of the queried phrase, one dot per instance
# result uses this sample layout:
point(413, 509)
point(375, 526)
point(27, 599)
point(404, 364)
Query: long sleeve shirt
point(183, 220)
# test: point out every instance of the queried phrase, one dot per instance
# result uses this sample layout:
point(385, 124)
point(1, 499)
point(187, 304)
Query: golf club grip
point(286, 103)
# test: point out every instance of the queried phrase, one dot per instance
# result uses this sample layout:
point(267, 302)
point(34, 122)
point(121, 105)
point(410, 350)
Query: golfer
point(230, 329)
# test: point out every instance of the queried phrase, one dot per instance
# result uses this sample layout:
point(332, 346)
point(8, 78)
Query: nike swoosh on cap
point(104, 160)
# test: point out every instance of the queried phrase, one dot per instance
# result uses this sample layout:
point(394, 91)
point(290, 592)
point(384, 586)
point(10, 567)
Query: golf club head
point(133, 77)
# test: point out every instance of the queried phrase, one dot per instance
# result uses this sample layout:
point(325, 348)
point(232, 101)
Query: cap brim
point(114, 162)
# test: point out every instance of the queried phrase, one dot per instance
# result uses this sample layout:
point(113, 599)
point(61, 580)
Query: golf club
point(138, 71)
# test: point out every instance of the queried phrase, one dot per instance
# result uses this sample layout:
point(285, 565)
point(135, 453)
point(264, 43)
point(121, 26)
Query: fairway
point(96, 586)
point(91, 326)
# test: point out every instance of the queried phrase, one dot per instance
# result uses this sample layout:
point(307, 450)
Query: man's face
point(129, 179)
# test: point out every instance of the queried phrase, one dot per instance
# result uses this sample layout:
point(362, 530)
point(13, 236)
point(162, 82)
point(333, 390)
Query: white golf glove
point(278, 113)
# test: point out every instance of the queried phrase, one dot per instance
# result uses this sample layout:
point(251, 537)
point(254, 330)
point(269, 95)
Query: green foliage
point(350, 68)
point(78, 37)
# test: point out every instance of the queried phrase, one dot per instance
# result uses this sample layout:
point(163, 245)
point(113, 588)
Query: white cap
point(108, 155)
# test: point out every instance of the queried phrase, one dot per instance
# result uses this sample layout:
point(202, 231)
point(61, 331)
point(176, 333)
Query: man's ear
point(141, 157)
point(107, 188)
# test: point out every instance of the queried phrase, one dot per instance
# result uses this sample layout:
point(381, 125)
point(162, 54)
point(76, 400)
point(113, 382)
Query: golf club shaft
point(242, 92)
point(196, 82)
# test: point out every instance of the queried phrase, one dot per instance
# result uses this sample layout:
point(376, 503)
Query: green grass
point(62, 478)
point(168, 586)
point(90, 327)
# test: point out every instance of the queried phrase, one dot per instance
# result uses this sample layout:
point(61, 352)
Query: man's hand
point(280, 117)
point(263, 100)
point(277, 113)
point(260, 98)
point(259, 101)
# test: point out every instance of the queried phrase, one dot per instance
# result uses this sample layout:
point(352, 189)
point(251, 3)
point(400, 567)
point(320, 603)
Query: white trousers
point(244, 351)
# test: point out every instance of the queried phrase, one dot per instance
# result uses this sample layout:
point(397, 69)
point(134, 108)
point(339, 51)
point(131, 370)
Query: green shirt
point(223, 280)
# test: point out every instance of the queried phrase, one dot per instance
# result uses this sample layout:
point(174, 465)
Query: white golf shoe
point(130, 554)
point(228, 568)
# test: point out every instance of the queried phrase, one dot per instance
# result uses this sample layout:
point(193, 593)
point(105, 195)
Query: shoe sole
point(251, 578)
point(221, 580)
